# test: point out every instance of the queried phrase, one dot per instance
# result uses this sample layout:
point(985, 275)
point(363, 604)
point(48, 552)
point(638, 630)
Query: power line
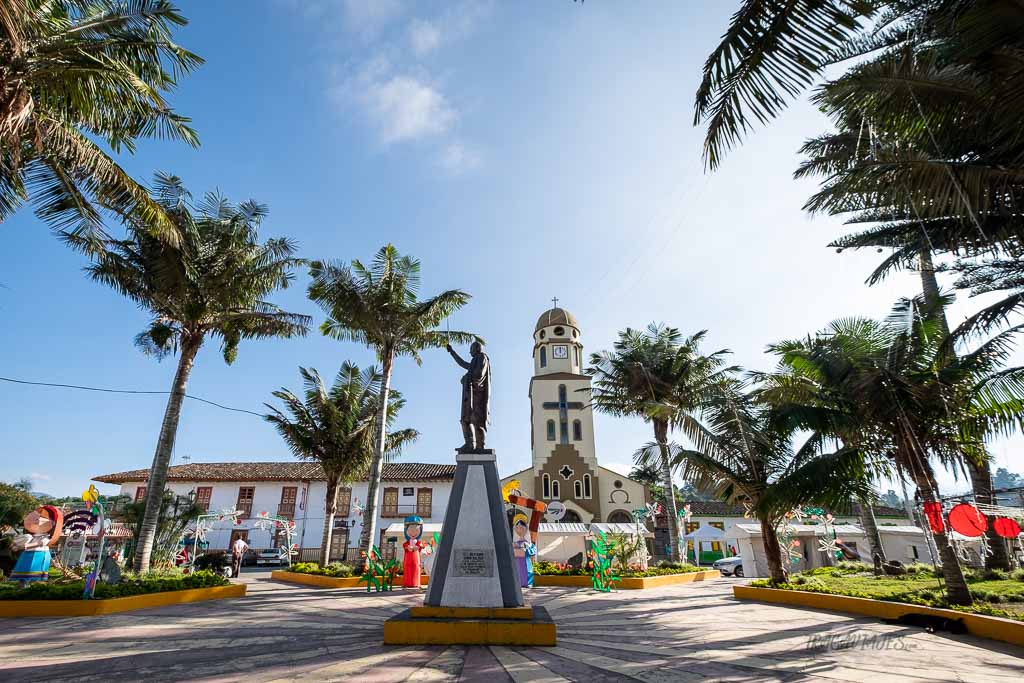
point(125, 391)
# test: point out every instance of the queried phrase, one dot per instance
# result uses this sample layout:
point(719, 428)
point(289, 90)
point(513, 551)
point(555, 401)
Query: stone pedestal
point(474, 596)
point(473, 566)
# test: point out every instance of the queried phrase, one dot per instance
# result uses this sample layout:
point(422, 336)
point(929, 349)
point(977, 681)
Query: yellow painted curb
point(635, 583)
point(427, 612)
point(404, 629)
point(329, 581)
point(983, 626)
point(91, 608)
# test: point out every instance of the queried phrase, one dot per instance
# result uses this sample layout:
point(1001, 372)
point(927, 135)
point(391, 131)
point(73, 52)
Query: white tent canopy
point(706, 533)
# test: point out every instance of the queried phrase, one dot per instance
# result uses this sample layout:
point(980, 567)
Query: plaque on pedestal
point(473, 566)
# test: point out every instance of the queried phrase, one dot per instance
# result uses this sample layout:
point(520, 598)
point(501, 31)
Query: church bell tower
point(564, 457)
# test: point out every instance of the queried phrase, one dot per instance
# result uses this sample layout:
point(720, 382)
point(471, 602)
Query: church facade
point(564, 452)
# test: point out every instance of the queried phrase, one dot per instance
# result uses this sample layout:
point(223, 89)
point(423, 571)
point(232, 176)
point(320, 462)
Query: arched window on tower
point(543, 357)
point(577, 488)
point(563, 422)
point(546, 479)
point(551, 430)
point(555, 490)
point(586, 486)
point(577, 430)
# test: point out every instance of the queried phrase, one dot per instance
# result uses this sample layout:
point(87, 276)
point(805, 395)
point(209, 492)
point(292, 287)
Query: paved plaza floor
point(281, 632)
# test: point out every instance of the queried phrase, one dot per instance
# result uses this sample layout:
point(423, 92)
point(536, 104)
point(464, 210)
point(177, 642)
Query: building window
point(140, 494)
point(390, 505)
point(555, 490)
point(203, 495)
point(579, 363)
point(424, 502)
point(344, 508)
point(586, 486)
point(543, 357)
point(563, 421)
point(559, 331)
point(244, 504)
point(577, 488)
point(286, 508)
point(546, 485)
point(620, 517)
point(551, 437)
point(577, 430)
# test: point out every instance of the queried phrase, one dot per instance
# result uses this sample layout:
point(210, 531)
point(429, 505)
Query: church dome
point(556, 316)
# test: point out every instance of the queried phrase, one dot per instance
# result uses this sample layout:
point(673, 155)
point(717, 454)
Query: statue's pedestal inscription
point(474, 562)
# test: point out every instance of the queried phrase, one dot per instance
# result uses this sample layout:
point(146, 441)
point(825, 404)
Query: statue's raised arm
point(476, 396)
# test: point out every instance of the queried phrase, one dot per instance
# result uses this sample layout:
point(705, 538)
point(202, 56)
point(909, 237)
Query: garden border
point(627, 583)
point(321, 581)
point(91, 608)
point(981, 625)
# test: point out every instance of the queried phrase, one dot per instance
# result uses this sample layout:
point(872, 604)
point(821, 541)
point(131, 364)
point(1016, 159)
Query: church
point(564, 451)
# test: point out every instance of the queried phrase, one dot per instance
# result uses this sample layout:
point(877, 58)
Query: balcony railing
point(405, 510)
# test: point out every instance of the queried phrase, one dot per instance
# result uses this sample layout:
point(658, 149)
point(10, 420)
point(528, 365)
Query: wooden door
point(339, 544)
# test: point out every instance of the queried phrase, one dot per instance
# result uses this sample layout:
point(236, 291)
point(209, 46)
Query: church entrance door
point(570, 517)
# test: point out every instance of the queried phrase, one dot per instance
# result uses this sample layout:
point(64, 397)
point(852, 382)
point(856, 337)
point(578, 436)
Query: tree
point(335, 428)
point(662, 378)
point(378, 306)
point(76, 73)
point(892, 499)
point(175, 514)
point(213, 283)
point(1004, 479)
point(890, 390)
point(745, 454)
point(15, 503)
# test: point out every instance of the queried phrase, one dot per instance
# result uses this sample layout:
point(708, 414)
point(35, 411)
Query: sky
point(521, 151)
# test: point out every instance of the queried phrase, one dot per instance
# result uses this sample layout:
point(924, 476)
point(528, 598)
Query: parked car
point(277, 557)
point(730, 566)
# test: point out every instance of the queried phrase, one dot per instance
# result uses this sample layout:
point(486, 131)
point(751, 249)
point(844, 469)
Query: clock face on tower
point(560, 351)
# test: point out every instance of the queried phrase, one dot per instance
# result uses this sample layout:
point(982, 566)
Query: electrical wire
point(125, 391)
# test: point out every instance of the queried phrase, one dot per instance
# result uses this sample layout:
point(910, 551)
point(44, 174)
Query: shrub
point(334, 569)
point(212, 562)
point(993, 575)
point(143, 586)
point(1017, 575)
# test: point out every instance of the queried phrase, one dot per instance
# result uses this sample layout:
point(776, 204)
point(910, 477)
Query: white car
point(272, 556)
point(730, 566)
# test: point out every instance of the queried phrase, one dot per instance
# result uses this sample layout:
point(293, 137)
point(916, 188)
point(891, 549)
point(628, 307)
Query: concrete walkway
point(692, 632)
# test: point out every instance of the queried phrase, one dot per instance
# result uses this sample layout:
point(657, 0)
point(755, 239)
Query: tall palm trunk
point(330, 509)
point(773, 552)
point(162, 458)
point(981, 482)
point(957, 591)
point(981, 473)
point(369, 531)
point(867, 520)
point(661, 436)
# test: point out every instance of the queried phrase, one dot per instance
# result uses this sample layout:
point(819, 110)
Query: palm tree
point(892, 390)
point(661, 377)
point(213, 283)
point(378, 306)
point(335, 429)
point(745, 455)
point(74, 74)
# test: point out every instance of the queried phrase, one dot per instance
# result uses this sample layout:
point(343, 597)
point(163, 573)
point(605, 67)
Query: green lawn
point(999, 596)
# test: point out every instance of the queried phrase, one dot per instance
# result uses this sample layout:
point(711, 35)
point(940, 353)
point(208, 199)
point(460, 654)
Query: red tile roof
point(278, 471)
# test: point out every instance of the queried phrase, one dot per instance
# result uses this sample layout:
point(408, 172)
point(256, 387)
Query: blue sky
point(521, 150)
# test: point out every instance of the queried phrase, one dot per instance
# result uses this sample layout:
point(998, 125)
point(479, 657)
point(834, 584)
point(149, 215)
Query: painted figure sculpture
point(42, 529)
point(413, 546)
point(523, 550)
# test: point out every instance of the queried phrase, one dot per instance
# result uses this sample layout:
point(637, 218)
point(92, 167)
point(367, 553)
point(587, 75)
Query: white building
point(298, 491)
point(565, 465)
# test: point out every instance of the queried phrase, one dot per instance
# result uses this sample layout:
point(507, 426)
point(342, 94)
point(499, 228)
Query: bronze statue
point(476, 397)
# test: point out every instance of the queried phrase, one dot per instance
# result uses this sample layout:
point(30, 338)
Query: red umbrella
point(1006, 527)
point(967, 520)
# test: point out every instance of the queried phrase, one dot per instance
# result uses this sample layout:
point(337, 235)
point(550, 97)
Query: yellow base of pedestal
point(471, 626)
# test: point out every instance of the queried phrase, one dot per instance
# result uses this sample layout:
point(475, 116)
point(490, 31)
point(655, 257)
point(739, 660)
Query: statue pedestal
point(473, 597)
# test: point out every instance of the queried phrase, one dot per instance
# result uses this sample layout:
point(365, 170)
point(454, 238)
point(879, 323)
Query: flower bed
point(996, 593)
point(104, 591)
point(632, 582)
point(663, 569)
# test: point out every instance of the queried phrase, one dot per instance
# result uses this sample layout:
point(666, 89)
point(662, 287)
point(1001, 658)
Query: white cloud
point(457, 158)
point(369, 17)
point(424, 37)
point(622, 468)
point(39, 476)
point(405, 108)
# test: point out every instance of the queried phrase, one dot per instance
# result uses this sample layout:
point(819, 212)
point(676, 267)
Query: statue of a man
point(476, 396)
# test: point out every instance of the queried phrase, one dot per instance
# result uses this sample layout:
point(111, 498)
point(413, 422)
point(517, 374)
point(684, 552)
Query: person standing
point(238, 549)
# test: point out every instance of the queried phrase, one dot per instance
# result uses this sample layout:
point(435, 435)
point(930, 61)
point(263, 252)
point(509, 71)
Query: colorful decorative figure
point(601, 563)
point(379, 576)
point(42, 529)
point(412, 547)
point(523, 549)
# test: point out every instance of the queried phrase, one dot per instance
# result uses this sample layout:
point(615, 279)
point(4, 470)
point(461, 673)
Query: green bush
point(143, 586)
point(1017, 575)
point(993, 575)
point(334, 569)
